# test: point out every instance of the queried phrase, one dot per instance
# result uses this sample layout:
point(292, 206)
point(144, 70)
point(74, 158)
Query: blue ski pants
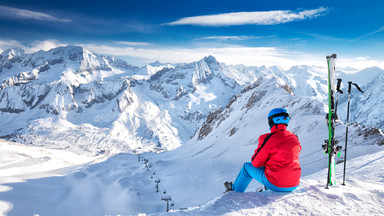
point(249, 172)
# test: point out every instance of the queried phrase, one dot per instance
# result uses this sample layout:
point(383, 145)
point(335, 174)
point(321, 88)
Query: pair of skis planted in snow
point(330, 147)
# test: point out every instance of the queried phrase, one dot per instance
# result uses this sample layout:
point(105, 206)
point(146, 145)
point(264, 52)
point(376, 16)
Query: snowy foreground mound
point(122, 185)
point(362, 195)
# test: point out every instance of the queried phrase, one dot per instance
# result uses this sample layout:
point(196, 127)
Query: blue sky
point(250, 32)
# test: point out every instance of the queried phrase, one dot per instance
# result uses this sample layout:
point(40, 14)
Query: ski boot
point(261, 188)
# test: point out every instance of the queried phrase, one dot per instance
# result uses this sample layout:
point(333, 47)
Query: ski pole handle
point(350, 85)
point(358, 88)
point(338, 86)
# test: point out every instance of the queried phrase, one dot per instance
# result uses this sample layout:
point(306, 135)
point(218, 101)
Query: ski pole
point(346, 132)
point(338, 90)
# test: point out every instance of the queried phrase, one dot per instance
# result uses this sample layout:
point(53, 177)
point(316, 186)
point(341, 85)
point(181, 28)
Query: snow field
point(20, 162)
point(123, 185)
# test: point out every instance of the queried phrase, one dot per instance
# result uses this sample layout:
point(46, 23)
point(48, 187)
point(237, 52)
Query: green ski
point(331, 148)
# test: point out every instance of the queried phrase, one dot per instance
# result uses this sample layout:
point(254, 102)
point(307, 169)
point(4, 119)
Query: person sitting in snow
point(275, 163)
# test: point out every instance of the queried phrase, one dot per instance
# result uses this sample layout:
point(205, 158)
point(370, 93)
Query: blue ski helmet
point(278, 116)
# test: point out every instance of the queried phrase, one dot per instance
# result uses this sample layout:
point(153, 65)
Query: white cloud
point(130, 43)
point(381, 29)
point(34, 47)
point(43, 45)
point(16, 13)
point(9, 44)
point(250, 18)
point(360, 62)
point(251, 56)
point(240, 37)
point(256, 56)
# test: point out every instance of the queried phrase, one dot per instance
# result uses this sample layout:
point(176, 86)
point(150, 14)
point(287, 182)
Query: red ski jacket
point(279, 156)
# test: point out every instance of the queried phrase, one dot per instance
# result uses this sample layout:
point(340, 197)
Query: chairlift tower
point(157, 185)
point(168, 198)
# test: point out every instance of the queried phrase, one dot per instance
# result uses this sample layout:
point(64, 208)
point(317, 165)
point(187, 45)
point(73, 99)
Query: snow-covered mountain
point(71, 98)
point(364, 109)
point(192, 176)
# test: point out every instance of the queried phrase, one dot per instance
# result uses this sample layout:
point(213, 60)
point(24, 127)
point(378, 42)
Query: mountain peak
point(210, 59)
point(372, 69)
point(67, 50)
point(156, 64)
point(11, 53)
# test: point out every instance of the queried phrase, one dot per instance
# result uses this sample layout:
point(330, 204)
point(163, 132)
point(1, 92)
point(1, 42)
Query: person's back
point(280, 157)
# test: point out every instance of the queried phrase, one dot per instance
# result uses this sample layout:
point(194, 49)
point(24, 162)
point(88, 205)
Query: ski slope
point(21, 164)
point(121, 185)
